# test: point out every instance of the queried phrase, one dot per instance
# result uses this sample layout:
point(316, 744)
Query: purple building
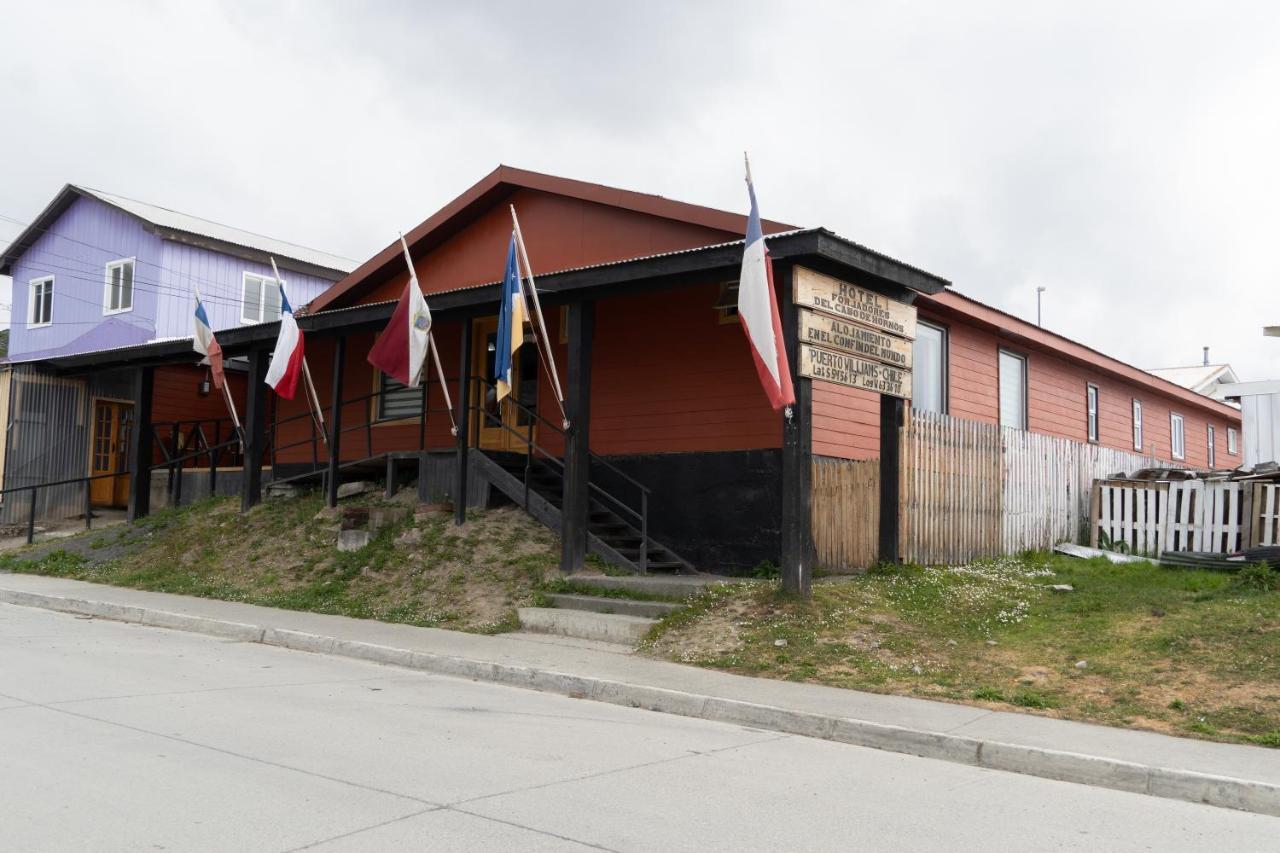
point(95, 271)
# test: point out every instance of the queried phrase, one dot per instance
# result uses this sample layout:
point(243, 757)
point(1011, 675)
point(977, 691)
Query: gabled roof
point(1200, 378)
point(455, 215)
point(171, 224)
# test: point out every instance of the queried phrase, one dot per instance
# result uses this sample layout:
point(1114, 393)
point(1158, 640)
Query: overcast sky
point(1125, 158)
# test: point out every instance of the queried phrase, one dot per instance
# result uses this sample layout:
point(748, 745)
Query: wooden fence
point(1266, 515)
point(1220, 517)
point(846, 512)
point(968, 490)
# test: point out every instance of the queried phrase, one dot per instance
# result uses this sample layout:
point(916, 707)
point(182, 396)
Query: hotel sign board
point(844, 369)
point(832, 333)
point(850, 302)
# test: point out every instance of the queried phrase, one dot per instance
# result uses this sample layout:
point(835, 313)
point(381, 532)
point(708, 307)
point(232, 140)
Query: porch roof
point(817, 247)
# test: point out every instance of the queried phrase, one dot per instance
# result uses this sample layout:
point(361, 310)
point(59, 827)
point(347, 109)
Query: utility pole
point(1039, 291)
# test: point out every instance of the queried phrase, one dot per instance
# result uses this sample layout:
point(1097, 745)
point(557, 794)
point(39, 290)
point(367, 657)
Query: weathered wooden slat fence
point(951, 489)
point(968, 490)
point(1151, 518)
point(846, 512)
point(1266, 515)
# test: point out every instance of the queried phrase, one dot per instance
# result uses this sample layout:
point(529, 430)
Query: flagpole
point(313, 399)
point(545, 340)
point(444, 386)
point(226, 394)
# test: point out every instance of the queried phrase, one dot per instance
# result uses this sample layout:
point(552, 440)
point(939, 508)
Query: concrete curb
point(1170, 783)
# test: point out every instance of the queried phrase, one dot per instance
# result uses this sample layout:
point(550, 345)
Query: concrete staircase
point(609, 609)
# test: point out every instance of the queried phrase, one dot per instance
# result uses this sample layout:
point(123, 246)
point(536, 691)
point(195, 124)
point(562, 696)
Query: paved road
point(121, 737)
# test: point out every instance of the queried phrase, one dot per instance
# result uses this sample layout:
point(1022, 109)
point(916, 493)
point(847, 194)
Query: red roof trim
point(503, 180)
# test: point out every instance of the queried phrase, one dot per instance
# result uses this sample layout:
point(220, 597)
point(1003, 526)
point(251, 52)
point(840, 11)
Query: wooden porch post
point(255, 419)
point(577, 460)
point(335, 421)
point(797, 455)
point(464, 424)
point(141, 444)
point(892, 410)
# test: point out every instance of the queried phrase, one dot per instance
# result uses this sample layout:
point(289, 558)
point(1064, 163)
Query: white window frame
point(1233, 442)
point(1213, 450)
point(1137, 424)
point(120, 263)
point(1092, 405)
point(1026, 387)
point(1177, 436)
point(944, 340)
point(263, 280)
point(31, 301)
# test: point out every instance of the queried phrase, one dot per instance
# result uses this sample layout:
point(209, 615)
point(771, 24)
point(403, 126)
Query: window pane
point(252, 296)
point(1091, 394)
point(927, 360)
point(113, 288)
point(1013, 404)
point(271, 291)
point(126, 286)
point(398, 400)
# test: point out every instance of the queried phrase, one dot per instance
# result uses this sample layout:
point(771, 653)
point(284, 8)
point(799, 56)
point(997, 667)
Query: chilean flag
point(401, 349)
point(758, 311)
point(207, 345)
point(286, 359)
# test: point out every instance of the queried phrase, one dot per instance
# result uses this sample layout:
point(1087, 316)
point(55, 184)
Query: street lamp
point(1039, 290)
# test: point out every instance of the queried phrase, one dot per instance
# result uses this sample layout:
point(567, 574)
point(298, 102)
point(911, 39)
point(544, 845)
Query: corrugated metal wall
point(48, 438)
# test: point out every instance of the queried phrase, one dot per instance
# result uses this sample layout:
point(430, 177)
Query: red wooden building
point(674, 459)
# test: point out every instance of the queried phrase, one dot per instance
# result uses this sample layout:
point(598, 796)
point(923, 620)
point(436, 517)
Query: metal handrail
point(593, 456)
point(641, 515)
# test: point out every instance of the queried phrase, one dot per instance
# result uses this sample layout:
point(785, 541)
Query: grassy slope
point(282, 554)
point(1184, 652)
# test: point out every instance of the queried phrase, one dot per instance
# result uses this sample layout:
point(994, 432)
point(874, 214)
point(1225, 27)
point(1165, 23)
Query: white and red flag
point(207, 345)
point(758, 312)
point(286, 359)
point(401, 349)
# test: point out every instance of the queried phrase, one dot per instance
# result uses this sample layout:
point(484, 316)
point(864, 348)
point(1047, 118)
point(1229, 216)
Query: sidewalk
point(1241, 777)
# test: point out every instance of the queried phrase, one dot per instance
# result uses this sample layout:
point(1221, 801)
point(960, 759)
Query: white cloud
point(1122, 157)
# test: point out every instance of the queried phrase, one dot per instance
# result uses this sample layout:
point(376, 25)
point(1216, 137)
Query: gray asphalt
point(123, 737)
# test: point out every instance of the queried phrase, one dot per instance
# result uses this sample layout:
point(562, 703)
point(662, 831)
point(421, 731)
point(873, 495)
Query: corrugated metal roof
point(166, 218)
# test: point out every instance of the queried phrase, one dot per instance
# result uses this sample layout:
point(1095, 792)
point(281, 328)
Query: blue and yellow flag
point(510, 323)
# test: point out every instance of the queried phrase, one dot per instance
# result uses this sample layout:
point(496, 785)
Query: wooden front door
point(504, 426)
point(112, 424)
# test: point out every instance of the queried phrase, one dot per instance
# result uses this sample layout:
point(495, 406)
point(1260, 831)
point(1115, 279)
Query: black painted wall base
point(721, 511)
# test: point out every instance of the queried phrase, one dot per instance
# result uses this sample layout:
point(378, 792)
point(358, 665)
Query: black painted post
point(577, 449)
point(391, 476)
point(140, 444)
point(335, 421)
point(255, 423)
point(797, 455)
point(892, 410)
point(464, 424)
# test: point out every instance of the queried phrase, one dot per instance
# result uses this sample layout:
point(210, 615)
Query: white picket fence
point(1266, 515)
point(1151, 518)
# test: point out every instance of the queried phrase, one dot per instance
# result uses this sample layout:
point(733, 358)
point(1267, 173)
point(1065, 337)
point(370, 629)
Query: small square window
point(117, 295)
point(397, 400)
point(727, 303)
point(261, 299)
point(40, 297)
point(1233, 441)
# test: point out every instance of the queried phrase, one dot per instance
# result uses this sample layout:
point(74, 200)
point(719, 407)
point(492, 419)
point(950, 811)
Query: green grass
point(283, 554)
point(1180, 651)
